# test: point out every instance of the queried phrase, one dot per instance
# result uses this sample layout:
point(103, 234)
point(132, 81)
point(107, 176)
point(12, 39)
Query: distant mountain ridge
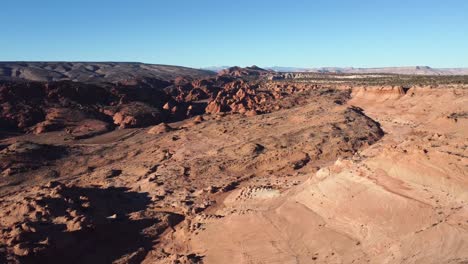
point(94, 71)
point(410, 70)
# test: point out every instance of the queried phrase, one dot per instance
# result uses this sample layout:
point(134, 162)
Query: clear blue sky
point(199, 33)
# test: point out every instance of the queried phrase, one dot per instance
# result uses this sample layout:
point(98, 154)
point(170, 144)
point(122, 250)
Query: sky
point(200, 33)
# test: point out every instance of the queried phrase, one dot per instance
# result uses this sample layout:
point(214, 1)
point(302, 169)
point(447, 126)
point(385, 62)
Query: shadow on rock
point(87, 225)
point(24, 156)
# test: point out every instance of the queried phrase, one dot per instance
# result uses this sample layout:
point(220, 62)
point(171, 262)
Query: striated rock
point(251, 113)
point(379, 94)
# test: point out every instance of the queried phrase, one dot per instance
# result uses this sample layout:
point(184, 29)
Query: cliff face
point(378, 93)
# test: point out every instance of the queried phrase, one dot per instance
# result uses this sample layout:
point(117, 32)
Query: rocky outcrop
point(85, 110)
point(77, 123)
point(247, 71)
point(81, 109)
point(52, 224)
point(252, 98)
point(137, 114)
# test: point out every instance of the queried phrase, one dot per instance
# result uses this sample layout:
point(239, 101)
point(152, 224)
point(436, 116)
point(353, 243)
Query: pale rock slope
point(402, 200)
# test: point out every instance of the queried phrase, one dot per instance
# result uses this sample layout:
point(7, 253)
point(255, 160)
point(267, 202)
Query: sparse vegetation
point(379, 79)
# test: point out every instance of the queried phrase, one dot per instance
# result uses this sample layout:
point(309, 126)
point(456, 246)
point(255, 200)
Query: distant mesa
point(247, 71)
point(412, 70)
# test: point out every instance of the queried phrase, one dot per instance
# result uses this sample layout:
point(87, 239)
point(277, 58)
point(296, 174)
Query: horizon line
point(222, 66)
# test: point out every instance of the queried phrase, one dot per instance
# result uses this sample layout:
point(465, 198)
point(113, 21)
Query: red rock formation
point(137, 114)
point(88, 109)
